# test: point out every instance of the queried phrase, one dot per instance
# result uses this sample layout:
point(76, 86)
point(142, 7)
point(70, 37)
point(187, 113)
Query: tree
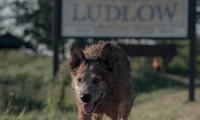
point(36, 18)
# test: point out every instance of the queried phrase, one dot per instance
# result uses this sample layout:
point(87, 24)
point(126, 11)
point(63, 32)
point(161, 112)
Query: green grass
point(22, 80)
point(26, 92)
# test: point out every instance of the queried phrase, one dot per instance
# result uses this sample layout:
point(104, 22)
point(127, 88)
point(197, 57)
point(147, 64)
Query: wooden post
point(192, 34)
point(56, 36)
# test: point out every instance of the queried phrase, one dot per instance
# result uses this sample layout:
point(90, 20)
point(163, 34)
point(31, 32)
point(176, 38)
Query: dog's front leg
point(112, 114)
point(97, 116)
point(83, 116)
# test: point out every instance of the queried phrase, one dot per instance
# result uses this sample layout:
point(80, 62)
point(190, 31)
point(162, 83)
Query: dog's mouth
point(90, 107)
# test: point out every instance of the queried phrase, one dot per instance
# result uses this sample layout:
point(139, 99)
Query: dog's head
point(90, 77)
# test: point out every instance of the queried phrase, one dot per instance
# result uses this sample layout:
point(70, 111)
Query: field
point(27, 93)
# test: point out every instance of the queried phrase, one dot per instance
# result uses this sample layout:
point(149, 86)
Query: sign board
point(125, 18)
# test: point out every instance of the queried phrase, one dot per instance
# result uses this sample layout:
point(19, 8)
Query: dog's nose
point(86, 98)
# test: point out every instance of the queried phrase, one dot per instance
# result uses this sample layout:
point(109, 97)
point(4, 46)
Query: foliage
point(178, 64)
point(21, 115)
point(36, 17)
point(22, 80)
point(25, 82)
point(27, 93)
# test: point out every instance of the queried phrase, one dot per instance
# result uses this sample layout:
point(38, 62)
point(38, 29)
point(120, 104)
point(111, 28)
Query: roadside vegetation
point(27, 93)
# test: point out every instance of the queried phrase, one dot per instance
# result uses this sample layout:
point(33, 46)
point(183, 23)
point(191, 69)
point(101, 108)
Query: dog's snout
point(86, 98)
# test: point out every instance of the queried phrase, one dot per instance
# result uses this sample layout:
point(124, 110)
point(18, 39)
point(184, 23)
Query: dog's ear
point(76, 56)
point(106, 56)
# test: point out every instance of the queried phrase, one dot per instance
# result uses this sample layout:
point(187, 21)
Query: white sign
point(125, 18)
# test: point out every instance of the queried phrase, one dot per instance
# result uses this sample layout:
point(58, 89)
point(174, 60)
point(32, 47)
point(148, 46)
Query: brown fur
point(107, 63)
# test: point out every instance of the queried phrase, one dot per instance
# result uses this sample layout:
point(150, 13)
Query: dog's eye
point(79, 79)
point(96, 80)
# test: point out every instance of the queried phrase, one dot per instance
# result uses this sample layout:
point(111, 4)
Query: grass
point(26, 92)
point(22, 77)
point(168, 104)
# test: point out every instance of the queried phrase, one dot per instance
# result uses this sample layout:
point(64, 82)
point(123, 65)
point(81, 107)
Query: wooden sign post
point(56, 37)
point(192, 36)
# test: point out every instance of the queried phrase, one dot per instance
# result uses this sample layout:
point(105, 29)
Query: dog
point(101, 81)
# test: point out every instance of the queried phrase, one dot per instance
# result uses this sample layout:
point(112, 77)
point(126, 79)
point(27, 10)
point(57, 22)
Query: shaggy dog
point(101, 81)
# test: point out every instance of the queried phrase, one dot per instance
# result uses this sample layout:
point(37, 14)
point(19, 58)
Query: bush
point(178, 66)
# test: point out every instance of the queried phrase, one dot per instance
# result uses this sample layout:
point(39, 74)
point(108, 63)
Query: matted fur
point(108, 64)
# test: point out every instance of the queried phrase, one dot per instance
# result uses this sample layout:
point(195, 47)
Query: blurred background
point(26, 66)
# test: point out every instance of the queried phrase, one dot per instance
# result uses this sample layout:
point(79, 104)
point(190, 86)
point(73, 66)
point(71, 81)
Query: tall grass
point(26, 91)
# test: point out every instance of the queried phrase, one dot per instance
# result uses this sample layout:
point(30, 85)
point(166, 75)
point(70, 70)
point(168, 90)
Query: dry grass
point(172, 106)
